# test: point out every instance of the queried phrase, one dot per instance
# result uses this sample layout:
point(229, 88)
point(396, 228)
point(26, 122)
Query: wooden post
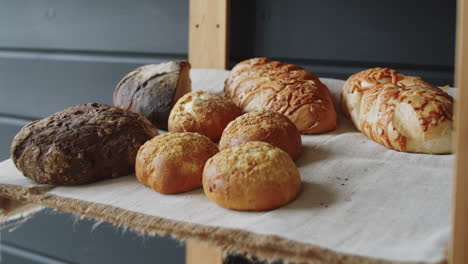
point(459, 245)
point(201, 253)
point(209, 33)
point(208, 48)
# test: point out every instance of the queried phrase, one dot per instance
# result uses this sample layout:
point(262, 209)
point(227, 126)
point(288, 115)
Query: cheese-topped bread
point(261, 84)
point(401, 112)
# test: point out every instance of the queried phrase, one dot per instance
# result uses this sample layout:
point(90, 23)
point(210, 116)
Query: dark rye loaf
point(81, 144)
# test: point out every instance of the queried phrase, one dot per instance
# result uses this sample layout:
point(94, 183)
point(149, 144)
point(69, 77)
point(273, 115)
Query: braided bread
point(261, 84)
point(401, 112)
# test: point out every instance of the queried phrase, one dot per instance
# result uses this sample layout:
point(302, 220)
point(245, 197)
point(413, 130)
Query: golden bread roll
point(265, 126)
point(262, 84)
point(253, 176)
point(401, 112)
point(204, 113)
point(173, 162)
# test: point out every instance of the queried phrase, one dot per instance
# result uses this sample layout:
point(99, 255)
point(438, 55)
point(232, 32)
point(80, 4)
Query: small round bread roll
point(266, 126)
point(204, 113)
point(173, 162)
point(253, 176)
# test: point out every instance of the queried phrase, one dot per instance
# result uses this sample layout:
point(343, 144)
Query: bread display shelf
point(360, 203)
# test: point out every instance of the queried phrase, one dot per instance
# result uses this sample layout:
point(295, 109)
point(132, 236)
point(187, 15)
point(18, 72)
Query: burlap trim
point(268, 247)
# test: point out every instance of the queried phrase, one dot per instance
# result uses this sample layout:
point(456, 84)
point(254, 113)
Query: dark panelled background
point(54, 54)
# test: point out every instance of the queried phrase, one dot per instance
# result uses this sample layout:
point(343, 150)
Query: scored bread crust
point(152, 90)
point(265, 126)
point(254, 176)
point(262, 84)
point(204, 113)
point(401, 112)
point(173, 162)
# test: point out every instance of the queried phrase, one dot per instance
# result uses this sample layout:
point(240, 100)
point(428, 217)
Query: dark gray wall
point(336, 38)
point(55, 54)
point(145, 26)
point(63, 237)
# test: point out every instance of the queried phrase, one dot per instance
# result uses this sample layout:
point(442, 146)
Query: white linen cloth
point(358, 197)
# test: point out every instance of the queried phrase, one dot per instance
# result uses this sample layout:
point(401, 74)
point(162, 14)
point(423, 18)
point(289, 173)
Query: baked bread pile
point(401, 112)
point(254, 169)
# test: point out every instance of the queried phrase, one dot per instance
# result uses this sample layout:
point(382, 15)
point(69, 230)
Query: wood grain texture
point(458, 249)
point(208, 48)
point(208, 33)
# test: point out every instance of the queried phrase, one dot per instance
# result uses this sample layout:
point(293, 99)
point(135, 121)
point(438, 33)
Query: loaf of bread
point(401, 112)
point(254, 176)
point(265, 126)
point(173, 162)
point(81, 144)
point(152, 90)
point(204, 113)
point(262, 84)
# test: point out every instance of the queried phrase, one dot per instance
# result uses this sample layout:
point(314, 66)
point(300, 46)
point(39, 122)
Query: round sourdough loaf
point(204, 113)
point(81, 144)
point(266, 126)
point(152, 90)
point(254, 176)
point(173, 162)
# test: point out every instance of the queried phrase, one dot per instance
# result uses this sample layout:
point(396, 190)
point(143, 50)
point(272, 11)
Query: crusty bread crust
point(81, 144)
point(401, 112)
point(265, 126)
point(254, 176)
point(173, 162)
point(204, 113)
point(262, 84)
point(152, 90)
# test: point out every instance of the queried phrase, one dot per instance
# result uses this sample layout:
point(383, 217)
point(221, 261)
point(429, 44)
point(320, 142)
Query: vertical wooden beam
point(209, 33)
point(208, 48)
point(201, 253)
point(459, 245)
